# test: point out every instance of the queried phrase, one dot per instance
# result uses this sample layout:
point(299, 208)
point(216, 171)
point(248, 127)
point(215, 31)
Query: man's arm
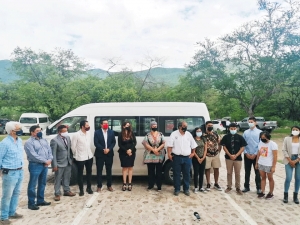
point(97, 141)
point(53, 145)
point(3, 151)
point(169, 153)
point(74, 144)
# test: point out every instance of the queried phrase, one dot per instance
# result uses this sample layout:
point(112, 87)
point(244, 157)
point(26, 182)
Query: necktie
point(65, 141)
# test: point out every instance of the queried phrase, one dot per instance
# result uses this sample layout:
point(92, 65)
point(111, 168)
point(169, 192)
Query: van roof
point(34, 114)
point(142, 109)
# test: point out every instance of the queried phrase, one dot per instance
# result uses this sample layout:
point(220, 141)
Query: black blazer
point(100, 143)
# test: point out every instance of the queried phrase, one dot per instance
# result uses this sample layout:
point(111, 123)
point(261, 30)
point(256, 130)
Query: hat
point(153, 123)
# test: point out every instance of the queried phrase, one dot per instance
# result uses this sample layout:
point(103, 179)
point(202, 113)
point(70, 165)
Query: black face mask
point(154, 129)
point(210, 128)
point(264, 140)
point(127, 128)
point(184, 129)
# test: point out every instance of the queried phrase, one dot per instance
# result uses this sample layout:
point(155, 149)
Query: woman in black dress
point(127, 143)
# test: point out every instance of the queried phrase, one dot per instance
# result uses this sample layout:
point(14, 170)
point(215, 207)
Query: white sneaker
point(196, 190)
point(202, 190)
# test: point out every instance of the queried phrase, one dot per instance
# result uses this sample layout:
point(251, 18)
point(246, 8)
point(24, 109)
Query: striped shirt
point(11, 153)
point(38, 150)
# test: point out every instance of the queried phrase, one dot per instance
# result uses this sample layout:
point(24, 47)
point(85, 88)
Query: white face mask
point(251, 125)
point(66, 134)
point(295, 132)
point(233, 131)
point(199, 134)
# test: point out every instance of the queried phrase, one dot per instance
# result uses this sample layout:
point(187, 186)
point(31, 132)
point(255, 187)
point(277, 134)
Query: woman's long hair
point(129, 133)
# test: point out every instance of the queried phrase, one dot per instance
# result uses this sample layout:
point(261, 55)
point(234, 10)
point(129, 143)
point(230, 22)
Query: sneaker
point(187, 193)
point(269, 196)
point(208, 187)
point(196, 190)
point(261, 195)
point(5, 222)
point(246, 190)
point(258, 191)
point(176, 193)
point(239, 191)
point(217, 186)
point(227, 190)
point(202, 190)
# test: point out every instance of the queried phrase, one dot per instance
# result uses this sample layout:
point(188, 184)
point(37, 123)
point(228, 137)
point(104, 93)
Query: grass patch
point(24, 138)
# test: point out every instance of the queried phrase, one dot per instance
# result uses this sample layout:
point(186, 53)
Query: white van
point(139, 114)
point(29, 119)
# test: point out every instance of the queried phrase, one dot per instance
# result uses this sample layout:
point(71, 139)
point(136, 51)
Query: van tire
point(74, 173)
point(168, 173)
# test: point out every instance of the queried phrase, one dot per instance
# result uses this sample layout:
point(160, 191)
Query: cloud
point(130, 29)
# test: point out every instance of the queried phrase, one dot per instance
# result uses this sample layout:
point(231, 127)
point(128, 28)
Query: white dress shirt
point(105, 137)
point(182, 144)
point(81, 146)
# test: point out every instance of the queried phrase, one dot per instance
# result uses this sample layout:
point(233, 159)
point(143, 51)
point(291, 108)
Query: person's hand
point(273, 169)
point(48, 162)
point(106, 150)
point(54, 169)
point(292, 163)
point(248, 156)
point(232, 157)
point(191, 155)
point(170, 157)
point(256, 166)
point(253, 157)
point(129, 152)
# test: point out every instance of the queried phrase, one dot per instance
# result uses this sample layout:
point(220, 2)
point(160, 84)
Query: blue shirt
point(252, 139)
point(11, 153)
point(38, 150)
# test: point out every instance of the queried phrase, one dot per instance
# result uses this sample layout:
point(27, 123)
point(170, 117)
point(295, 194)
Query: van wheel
point(168, 174)
point(74, 173)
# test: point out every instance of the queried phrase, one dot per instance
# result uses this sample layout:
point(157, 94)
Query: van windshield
point(28, 120)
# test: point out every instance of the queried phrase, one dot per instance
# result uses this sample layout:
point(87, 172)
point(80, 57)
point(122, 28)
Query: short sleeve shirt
point(266, 152)
point(212, 144)
point(181, 144)
point(233, 143)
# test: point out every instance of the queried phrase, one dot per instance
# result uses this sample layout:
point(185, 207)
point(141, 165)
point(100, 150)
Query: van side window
point(32, 120)
point(145, 124)
point(73, 124)
point(43, 120)
point(168, 124)
point(115, 123)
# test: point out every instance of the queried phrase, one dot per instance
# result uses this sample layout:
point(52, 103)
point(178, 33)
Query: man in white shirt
point(82, 153)
point(181, 149)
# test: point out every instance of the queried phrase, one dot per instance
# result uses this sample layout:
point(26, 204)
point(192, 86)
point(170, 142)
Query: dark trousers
point(248, 163)
point(199, 170)
point(154, 174)
point(88, 167)
point(181, 165)
point(100, 161)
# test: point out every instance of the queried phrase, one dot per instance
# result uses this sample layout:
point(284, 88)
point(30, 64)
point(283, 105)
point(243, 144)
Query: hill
point(167, 75)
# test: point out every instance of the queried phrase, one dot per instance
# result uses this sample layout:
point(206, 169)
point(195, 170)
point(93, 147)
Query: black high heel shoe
point(124, 187)
point(129, 187)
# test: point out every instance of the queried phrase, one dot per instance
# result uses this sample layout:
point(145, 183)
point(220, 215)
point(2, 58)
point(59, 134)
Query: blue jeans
point(38, 175)
point(289, 174)
point(11, 188)
point(181, 164)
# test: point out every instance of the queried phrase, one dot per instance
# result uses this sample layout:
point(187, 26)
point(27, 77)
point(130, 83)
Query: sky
point(124, 31)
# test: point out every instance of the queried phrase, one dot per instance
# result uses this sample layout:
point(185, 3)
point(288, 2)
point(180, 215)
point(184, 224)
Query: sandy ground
point(151, 207)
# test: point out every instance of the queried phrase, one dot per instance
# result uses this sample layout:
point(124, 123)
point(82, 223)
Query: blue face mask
point(233, 132)
point(39, 134)
point(199, 134)
point(19, 133)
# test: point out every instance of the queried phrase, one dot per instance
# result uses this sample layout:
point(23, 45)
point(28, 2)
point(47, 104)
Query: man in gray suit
point(62, 162)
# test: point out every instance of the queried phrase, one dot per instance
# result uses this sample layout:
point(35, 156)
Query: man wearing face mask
point(39, 155)
point(181, 150)
point(233, 145)
point(105, 141)
point(252, 138)
point(83, 155)
point(11, 165)
point(62, 162)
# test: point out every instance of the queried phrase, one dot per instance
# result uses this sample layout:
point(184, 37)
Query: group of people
point(200, 149)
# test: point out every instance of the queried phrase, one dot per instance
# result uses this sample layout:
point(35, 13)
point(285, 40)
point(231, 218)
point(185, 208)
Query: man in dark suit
point(105, 141)
point(62, 162)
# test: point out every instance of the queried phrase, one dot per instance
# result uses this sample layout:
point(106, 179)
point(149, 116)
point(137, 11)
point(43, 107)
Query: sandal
point(129, 187)
point(124, 187)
